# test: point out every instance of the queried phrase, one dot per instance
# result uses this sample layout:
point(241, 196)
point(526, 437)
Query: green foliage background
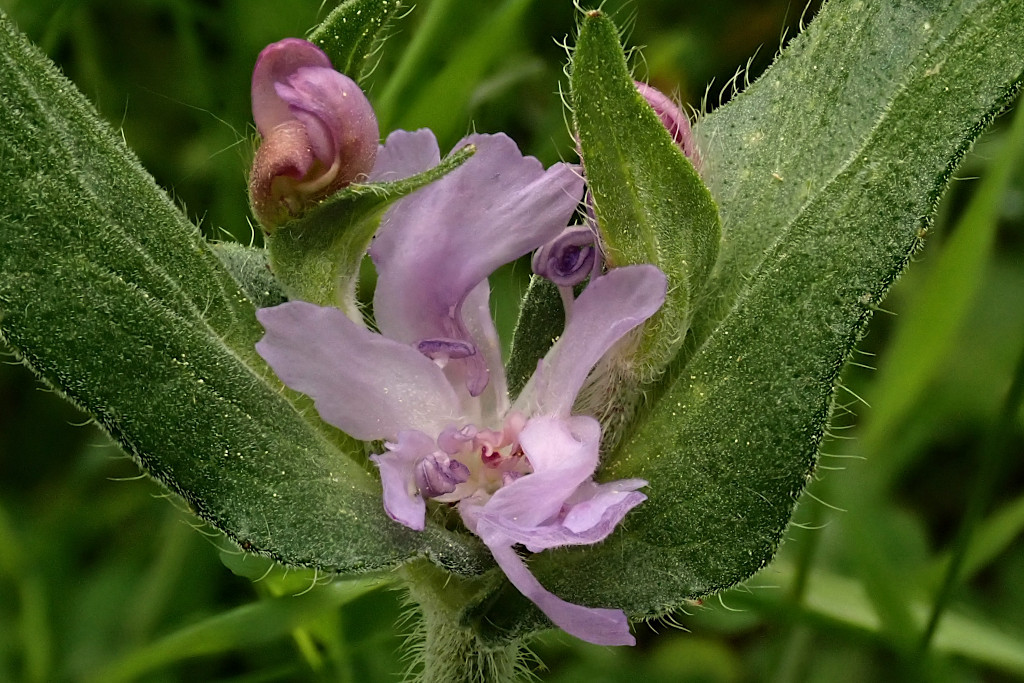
point(100, 579)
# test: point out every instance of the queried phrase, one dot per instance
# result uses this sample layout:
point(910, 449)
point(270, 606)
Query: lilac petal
point(275, 63)
point(587, 522)
point(366, 385)
point(339, 120)
point(558, 504)
point(608, 308)
point(402, 500)
point(563, 454)
point(597, 625)
point(404, 154)
point(436, 245)
point(674, 120)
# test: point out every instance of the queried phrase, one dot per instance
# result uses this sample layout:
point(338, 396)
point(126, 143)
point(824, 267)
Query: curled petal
point(677, 123)
point(402, 498)
point(319, 131)
point(563, 454)
point(591, 519)
point(609, 307)
point(568, 259)
point(438, 244)
point(362, 383)
point(558, 504)
point(597, 625)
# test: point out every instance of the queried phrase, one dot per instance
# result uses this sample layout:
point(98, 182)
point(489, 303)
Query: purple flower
point(432, 385)
point(319, 131)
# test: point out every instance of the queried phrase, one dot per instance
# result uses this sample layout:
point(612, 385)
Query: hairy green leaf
point(651, 205)
point(112, 297)
point(353, 32)
point(541, 318)
point(316, 257)
point(826, 173)
point(249, 266)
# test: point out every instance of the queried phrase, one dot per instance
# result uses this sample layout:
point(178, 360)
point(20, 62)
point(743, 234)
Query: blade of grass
point(839, 603)
point(413, 59)
point(992, 537)
point(244, 626)
point(466, 67)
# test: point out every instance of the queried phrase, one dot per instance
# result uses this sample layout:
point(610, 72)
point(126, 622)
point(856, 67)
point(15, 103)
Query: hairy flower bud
point(319, 131)
point(674, 119)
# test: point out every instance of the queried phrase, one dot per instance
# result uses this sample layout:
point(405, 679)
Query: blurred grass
point(97, 573)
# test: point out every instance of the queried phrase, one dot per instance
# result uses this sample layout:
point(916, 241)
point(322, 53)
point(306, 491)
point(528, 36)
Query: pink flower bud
point(674, 119)
point(319, 131)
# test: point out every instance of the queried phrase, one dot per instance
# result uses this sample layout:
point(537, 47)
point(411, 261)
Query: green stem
point(451, 651)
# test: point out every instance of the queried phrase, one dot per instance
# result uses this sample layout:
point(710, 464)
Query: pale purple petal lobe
point(402, 500)
point(597, 625)
point(405, 154)
point(558, 504)
point(608, 308)
point(366, 385)
point(563, 454)
point(436, 245)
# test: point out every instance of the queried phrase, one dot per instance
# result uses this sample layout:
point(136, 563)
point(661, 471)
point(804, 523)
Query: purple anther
point(445, 349)
point(568, 259)
point(437, 474)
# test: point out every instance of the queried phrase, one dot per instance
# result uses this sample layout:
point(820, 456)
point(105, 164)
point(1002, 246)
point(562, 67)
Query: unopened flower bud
point(319, 131)
point(570, 258)
point(674, 120)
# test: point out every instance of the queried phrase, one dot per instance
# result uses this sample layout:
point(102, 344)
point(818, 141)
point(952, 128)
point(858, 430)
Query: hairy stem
point(447, 649)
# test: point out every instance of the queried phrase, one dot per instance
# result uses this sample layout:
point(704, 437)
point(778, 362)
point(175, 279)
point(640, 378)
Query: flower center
point(470, 459)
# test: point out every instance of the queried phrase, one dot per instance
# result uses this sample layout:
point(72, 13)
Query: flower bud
point(570, 258)
point(319, 131)
point(674, 120)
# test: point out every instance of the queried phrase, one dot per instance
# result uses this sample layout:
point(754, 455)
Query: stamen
point(443, 350)
point(437, 474)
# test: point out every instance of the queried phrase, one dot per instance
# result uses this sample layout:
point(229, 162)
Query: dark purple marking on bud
point(437, 474)
point(445, 349)
point(568, 259)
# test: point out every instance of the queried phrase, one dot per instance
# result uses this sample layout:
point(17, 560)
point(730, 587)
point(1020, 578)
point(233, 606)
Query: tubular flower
point(431, 383)
point(319, 131)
